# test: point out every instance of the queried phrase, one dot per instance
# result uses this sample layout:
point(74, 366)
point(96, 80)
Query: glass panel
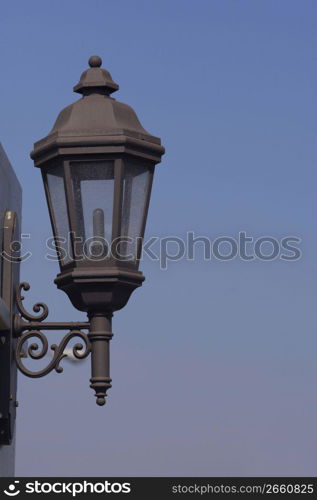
point(136, 185)
point(55, 183)
point(93, 188)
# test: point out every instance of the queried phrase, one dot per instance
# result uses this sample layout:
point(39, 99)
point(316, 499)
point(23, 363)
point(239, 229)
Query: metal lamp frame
point(95, 128)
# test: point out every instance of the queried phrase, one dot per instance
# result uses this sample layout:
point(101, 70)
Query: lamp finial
point(95, 62)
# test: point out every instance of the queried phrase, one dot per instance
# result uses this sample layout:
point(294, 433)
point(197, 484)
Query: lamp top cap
point(96, 79)
point(95, 61)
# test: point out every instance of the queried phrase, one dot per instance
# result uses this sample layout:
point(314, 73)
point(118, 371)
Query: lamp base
point(99, 289)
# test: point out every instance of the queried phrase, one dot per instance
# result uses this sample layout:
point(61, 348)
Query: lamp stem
point(100, 335)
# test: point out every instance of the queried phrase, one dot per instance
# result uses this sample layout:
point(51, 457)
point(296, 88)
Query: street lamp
point(97, 165)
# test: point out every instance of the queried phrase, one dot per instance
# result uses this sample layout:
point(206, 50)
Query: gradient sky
point(213, 363)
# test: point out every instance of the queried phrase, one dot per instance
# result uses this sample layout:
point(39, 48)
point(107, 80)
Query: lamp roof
point(97, 122)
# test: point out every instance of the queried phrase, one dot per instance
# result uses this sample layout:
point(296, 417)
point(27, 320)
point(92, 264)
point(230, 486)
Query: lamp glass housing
point(136, 191)
point(98, 210)
point(93, 194)
point(57, 203)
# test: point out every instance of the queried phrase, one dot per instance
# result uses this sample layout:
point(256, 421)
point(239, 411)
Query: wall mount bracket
point(18, 327)
point(8, 370)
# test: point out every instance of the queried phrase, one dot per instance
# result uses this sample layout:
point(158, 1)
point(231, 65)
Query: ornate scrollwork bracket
point(18, 327)
point(31, 329)
point(29, 326)
point(36, 308)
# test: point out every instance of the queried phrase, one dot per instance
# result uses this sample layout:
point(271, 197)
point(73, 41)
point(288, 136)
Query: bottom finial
point(101, 401)
point(100, 386)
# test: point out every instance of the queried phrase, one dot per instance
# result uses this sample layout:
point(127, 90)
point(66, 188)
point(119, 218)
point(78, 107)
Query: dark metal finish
point(21, 325)
point(33, 327)
point(80, 351)
point(96, 78)
point(146, 209)
point(99, 289)
point(70, 205)
point(97, 124)
point(95, 342)
point(51, 210)
point(95, 129)
point(8, 370)
point(98, 128)
point(5, 316)
point(99, 336)
point(36, 322)
point(36, 308)
point(117, 201)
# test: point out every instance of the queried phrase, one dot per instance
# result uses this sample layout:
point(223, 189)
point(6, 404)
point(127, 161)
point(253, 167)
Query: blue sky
point(213, 363)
